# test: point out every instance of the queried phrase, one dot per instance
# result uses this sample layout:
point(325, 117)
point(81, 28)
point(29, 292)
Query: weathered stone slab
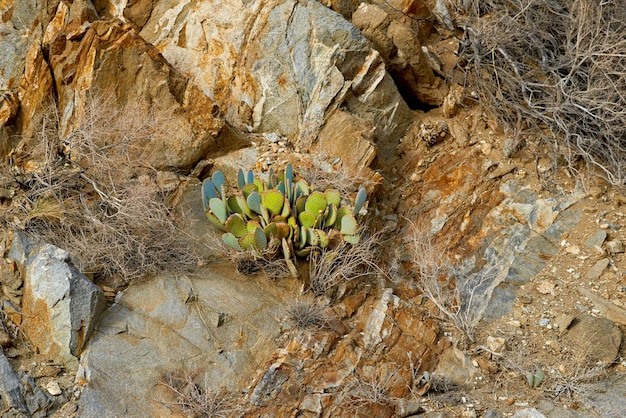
point(165, 326)
point(61, 306)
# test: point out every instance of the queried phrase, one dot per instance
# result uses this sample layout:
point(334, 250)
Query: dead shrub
point(369, 391)
point(461, 297)
point(91, 193)
point(328, 267)
point(554, 70)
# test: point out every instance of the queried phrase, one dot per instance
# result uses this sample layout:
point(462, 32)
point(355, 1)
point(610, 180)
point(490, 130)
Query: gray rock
point(10, 386)
point(155, 328)
point(455, 367)
point(597, 339)
point(615, 246)
point(289, 64)
point(61, 306)
point(20, 248)
point(528, 413)
point(38, 401)
point(597, 269)
point(596, 239)
point(522, 242)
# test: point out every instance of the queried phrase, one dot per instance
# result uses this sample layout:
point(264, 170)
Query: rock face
point(276, 66)
point(89, 56)
point(10, 387)
point(341, 370)
point(61, 306)
point(399, 44)
point(511, 228)
point(282, 66)
point(216, 322)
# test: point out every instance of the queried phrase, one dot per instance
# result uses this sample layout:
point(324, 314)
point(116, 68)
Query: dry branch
point(555, 70)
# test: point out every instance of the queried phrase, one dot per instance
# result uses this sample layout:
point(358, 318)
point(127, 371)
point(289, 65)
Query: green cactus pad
point(241, 179)
point(278, 230)
point(218, 180)
point(302, 187)
point(361, 198)
point(303, 252)
point(323, 238)
point(251, 226)
point(236, 225)
point(254, 202)
point(288, 174)
point(284, 230)
point(281, 187)
point(237, 204)
point(306, 219)
point(333, 197)
point(286, 208)
point(260, 240)
point(213, 219)
point(292, 268)
point(271, 230)
point(311, 237)
point(218, 208)
point(208, 192)
point(231, 241)
point(352, 239)
point(302, 238)
point(316, 203)
point(286, 249)
point(247, 241)
point(260, 186)
point(273, 201)
point(247, 189)
point(348, 225)
point(301, 203)
point(265, 216)
point(341, 212)
point(331, 216)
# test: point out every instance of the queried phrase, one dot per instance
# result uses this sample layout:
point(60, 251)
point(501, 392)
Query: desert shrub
point(89, 192)
point(555, 70)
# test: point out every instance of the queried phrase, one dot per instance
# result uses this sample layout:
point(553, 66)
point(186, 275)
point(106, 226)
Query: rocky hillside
point(488, 281)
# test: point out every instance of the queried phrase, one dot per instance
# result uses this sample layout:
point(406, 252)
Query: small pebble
point(5, 338)
point(53, 388)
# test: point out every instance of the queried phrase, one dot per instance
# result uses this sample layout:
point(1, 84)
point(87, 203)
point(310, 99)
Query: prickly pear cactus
point(280, 216)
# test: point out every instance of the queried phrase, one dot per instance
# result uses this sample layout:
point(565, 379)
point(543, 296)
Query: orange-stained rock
point(60, 307)
point(390, 343)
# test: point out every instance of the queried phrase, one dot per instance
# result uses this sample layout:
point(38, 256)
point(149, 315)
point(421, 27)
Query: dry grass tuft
point(306, 313)
point(195, 401)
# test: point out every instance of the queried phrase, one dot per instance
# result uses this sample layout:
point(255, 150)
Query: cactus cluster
point(280, 215)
